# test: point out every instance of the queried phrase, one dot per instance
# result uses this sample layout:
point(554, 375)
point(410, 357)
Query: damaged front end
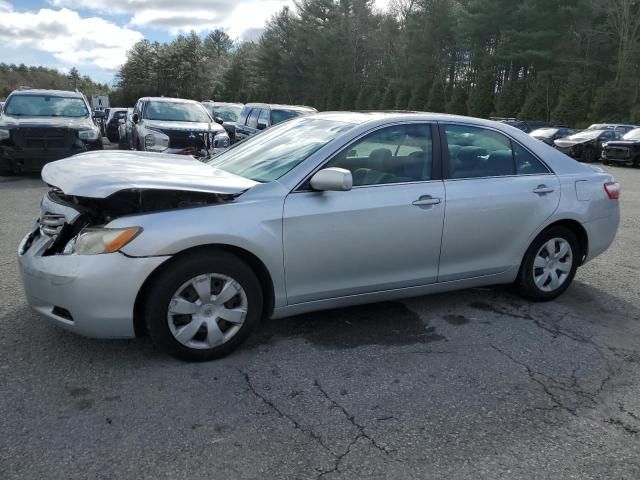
point(76, 224)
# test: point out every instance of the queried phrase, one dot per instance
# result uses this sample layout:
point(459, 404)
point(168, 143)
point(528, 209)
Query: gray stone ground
point(473, 384)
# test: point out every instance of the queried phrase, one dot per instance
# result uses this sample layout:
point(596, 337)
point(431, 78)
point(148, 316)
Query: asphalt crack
point(362, 434)
point(307, 431)
point(351, 419)
point(542, 380)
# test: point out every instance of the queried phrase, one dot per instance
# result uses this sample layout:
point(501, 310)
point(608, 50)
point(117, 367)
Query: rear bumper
point(92, 295)
point(601, 233)
point(617, 160)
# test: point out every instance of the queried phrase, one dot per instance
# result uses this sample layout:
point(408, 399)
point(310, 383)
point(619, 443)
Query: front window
point(228, 113)
point(273, 153)
point(176, 112)
point(398, 154)
point(278, 116)
point(45, 106)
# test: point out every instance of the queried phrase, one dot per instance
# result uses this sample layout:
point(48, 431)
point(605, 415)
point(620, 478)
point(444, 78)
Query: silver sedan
point(325, 211)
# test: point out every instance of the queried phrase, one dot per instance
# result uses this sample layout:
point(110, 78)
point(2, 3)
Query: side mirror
point(135, 118)
point(332, 179)
point(261, 126)
point(218, 120)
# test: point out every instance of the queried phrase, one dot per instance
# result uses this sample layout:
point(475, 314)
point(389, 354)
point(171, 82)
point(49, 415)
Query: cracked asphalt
point(464, 385)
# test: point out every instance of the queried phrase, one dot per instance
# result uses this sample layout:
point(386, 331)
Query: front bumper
point(92, 295)
point(32, 159)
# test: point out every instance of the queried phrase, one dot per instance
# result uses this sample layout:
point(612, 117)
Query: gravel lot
point(472, 384)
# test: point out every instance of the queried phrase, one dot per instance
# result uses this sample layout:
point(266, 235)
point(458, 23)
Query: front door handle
point(543, 190)
point(426, 201)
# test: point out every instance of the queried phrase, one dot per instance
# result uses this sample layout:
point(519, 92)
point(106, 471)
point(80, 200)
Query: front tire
point(549, 265)
point(589, 155)
point(203, 306)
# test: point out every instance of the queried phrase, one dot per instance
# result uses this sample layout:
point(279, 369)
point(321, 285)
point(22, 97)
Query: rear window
point(46, 106)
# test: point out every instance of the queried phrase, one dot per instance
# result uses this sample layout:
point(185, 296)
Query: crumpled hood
point(56, 122)
point(187, 126)
point(100, 174)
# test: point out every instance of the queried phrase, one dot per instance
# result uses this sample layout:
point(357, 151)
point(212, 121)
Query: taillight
point(613, 190)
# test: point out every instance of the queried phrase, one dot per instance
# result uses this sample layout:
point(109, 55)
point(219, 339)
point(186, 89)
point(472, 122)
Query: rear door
point(498, 194)
point(383, 234)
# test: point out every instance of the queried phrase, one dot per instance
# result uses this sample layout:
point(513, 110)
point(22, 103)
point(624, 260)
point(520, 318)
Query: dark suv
point(113, 123)
point(40, 126)
point(259, 116)
point(226, 114)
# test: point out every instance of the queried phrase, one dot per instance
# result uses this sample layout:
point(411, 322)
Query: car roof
point(284, 107)
point(168, 99)
point(386, 116)
point(236, 104)
point(51, 93)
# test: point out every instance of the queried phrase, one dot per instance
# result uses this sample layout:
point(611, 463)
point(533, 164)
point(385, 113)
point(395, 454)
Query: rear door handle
point(426, 201)
point(543, 190)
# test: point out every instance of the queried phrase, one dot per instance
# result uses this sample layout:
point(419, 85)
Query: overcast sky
point(94, 35)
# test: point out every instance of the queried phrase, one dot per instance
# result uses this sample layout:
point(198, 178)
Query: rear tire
point(549, 266)
point(186, 306)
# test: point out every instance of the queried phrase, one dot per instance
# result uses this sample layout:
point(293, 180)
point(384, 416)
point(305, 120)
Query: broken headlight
point(93, 241)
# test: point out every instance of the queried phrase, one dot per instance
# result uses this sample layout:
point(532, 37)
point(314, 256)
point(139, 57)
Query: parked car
point(39, 126)
point(112, 123)
point(260, 116)
point(124, 131)
point(526, 126)
point(322, 211)
point(620, 128)
point(550, 134)
point(623, 151)
point(586, 146)
point(226, 114)
point(176, 125)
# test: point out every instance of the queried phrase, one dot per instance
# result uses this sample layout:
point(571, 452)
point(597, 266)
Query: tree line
point(14, 76)
point(565, 61)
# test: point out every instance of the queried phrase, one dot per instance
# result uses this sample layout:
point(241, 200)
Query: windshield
point(46, 106)
point(632, 135)
point(228, 113)
point(271, 154)
point(586, 135)
point(176, 112)
point(544, 132)
point(278, 116)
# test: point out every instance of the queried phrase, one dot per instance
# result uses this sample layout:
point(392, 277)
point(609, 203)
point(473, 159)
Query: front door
point(383, 234)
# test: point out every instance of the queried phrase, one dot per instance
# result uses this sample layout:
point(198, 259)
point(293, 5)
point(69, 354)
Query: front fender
point(254, 226)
